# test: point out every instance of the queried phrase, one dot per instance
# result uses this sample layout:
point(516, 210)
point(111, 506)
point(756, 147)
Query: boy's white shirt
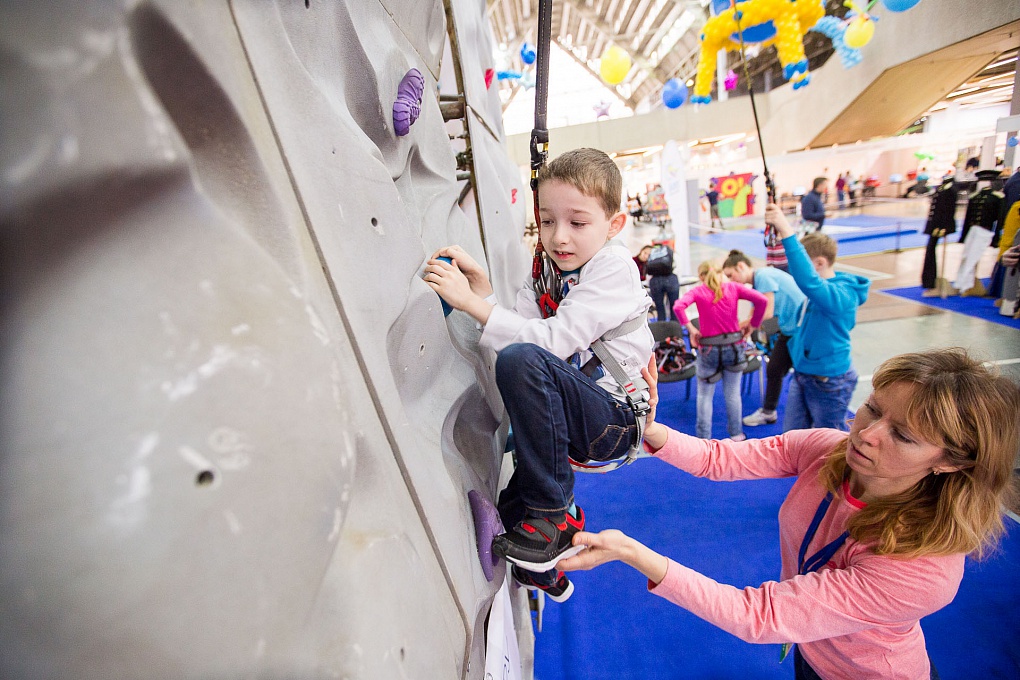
point(608, 293)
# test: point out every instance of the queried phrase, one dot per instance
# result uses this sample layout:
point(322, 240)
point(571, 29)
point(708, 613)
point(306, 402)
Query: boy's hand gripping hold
point(463, 290)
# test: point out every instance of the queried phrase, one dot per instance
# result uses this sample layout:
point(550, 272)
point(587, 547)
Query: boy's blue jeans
point(816, 402)
point(556, 412)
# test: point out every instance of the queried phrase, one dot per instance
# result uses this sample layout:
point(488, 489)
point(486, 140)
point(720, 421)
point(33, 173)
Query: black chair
point(672, 329)
point(758, 359)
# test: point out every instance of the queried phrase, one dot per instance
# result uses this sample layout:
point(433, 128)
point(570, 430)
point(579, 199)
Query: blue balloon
point(674, 93)
point(899, 5)
point(528, 54)
point(1012, 141)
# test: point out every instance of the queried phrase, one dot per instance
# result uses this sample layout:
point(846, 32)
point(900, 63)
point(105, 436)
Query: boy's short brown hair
point(817, 244)
point(591, 172)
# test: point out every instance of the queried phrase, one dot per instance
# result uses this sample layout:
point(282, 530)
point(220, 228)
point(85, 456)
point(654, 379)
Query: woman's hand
point(612, 545)
point(655, 434)
point(774, 216)
point(473, 271)
point(606, 546)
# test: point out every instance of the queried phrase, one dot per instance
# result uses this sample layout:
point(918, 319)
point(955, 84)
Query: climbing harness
point(724, 340)
point(635, 391)
point(547, 279)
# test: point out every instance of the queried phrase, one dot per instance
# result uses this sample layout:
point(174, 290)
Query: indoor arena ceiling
point(661, 37)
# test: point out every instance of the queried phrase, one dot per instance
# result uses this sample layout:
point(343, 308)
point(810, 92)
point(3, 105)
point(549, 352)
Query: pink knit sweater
point(857, 616)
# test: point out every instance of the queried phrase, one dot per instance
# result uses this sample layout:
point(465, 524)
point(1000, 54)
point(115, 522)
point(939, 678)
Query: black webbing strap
point(540, 134)
point(546, 281)
point(771, 237)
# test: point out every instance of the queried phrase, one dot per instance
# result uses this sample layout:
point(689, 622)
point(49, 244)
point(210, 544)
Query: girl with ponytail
point(719, 338)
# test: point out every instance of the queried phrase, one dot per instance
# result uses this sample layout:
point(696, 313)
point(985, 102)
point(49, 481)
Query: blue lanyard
point(825, 554)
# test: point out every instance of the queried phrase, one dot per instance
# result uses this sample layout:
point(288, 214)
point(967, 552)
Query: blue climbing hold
point(446, 308)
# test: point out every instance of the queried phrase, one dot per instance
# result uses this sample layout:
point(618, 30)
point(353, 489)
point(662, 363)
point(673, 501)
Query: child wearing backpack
point(562, 402)
point(663, 284)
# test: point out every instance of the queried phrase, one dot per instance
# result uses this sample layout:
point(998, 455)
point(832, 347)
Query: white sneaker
point(760, 417)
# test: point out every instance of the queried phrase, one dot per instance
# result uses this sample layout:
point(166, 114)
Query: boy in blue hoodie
point(823, 375)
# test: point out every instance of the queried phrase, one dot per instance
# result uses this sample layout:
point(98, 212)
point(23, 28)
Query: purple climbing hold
point(408, 103)
point(487, 526)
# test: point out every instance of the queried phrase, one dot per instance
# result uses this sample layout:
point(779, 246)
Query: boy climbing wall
point(562, 401)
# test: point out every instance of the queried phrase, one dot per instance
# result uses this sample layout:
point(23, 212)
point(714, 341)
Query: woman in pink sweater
point(875, 530)
point(720, 343)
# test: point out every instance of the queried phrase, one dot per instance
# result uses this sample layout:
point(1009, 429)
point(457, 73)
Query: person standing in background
point(1011, 189)
point(841, 189)
point(854, 185)
point(663, 284)
point(713, 205)
point(812, 206)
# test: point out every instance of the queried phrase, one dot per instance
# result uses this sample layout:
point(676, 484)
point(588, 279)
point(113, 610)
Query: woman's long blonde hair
point(711, 276)
point(973, 414)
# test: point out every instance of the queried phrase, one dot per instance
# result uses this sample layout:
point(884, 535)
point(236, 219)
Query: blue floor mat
point(981, 308)
point(873, 237)
point(613, 628)
point(872, 221)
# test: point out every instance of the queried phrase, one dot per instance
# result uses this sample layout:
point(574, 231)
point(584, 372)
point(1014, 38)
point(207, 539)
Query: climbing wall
point(237, 433)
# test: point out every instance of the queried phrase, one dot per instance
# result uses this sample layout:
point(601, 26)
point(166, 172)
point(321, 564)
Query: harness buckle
point(641, 408)
point(539, 153)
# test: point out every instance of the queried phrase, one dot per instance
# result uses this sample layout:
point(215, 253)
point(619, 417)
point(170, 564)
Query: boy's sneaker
point(559, 590)
point(760, 417)
point(538, 543)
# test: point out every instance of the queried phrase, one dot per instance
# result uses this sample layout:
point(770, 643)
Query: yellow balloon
point(859, 32)
point(615, 65)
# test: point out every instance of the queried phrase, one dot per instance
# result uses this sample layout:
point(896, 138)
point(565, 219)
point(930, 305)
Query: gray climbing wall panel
point(237, 432)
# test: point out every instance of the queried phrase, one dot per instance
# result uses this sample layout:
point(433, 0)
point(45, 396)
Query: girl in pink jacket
point(720, 342)
point(875, 530)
